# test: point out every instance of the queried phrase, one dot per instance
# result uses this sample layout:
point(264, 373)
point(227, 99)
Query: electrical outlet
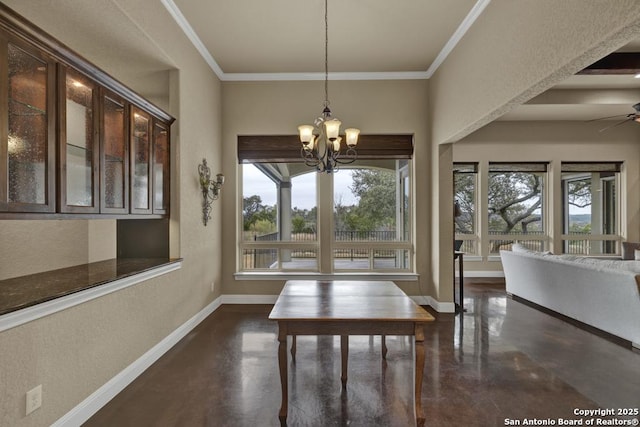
point(213, 285)
point(34, 399)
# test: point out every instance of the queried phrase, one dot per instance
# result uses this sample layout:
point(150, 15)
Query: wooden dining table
point(363, 307)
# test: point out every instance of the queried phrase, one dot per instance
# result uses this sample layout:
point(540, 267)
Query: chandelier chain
point(321, 143)
point(326, 54)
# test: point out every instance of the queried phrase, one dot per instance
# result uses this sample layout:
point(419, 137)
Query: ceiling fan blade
point(610, 117)
point(614, 125)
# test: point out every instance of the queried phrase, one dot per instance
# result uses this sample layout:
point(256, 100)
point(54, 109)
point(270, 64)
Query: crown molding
point(182, 22)
point(398, 75)
point(466, 23)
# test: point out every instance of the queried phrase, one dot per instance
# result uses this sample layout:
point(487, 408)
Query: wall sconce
point(210, 189)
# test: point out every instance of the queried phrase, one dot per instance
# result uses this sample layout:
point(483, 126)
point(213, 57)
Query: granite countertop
point(26, 291)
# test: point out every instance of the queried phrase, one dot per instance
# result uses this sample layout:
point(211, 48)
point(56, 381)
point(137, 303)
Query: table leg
point(284, 381)
point(344, 350)
point(293, 348)
point(384, 346)
point(419, 372)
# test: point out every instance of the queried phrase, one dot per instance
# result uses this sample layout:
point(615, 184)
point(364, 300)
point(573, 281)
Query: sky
point(303, 189)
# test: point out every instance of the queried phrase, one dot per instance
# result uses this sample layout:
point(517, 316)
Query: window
point(371, 218)
point(363, 223)
point(279, 205)
point(465, 183)
point(590, 208)
point(515, 205)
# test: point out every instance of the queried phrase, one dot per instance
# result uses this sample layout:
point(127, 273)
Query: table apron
point(348, 327)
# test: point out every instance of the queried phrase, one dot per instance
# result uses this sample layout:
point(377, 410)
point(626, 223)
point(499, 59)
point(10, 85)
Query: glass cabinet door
point(78, 143)
point(27, 129)
point(114, 161)
point(140, 161)
point(160, 168)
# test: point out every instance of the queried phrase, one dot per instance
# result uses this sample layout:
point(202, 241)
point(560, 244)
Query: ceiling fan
point(635, 116)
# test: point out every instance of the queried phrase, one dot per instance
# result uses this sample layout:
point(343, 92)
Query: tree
point(376, 192)
point(579, 192)
point(298, 224)
point(253, 211)
point(514, 199)
point(464, 184)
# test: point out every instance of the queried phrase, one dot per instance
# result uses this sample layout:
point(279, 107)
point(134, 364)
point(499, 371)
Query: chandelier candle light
point(321, 142)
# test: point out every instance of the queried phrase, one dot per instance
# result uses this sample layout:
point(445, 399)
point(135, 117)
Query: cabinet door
point(114, 154)
point(161, 171)
point(140, 162)
point(27, 128)
point(78, 148)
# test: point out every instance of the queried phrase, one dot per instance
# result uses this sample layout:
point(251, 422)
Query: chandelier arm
point(309, 158)
point(345, 162)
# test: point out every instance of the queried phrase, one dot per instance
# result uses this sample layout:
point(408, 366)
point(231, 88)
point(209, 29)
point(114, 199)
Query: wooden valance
point(286, 148)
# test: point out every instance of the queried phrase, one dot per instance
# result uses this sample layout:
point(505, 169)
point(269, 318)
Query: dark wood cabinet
point(161, 169)
point(27, 128)
point(73, 140)
point(114, 154)
point(141, 145)
point(78, 143)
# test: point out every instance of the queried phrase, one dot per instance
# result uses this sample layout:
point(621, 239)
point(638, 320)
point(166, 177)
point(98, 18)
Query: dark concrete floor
point(499, 363)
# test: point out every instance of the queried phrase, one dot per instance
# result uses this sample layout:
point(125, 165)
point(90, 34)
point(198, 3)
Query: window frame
point(471, 168)
point(589, 168)
point(543, 238)
point(325, 247)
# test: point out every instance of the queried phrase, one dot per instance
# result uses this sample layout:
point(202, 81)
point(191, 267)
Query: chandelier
point(321, 143)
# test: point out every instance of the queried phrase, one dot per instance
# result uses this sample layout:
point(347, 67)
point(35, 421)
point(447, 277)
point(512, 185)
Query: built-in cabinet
point(27, 127)
point(114, 154)
point(73, 140)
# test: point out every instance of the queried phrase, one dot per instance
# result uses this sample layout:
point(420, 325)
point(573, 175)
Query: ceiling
point(253, 40)
point(287, 36)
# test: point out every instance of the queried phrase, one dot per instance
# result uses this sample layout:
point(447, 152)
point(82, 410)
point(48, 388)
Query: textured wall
point(28, 247)
point(74, 352)
point(276, 108)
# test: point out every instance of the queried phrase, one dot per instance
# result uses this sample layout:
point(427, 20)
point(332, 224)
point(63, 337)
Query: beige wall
point(555, 142)
point(276, 108)
point(74, 352)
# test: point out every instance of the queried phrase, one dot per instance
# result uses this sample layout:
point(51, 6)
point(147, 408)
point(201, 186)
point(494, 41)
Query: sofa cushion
point(628, 249)
point(518, 247)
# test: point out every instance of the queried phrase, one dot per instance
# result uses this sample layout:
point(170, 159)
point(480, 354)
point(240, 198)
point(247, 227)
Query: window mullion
point(325, 222)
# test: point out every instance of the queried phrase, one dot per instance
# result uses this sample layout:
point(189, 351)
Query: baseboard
point(85, 409)
point(441, 307)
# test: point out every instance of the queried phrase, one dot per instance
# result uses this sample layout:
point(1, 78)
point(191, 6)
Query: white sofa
point(601, 293)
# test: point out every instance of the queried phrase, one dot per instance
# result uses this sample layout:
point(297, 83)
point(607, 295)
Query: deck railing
point(259, 258)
